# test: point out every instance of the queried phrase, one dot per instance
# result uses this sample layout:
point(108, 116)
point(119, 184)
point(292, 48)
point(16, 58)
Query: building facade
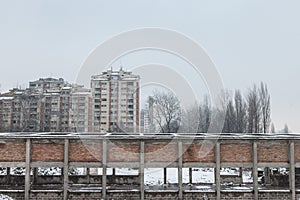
point(81, 110)
point(53, 105)
point(6, 110)
point(115, 101)
point(48, 105)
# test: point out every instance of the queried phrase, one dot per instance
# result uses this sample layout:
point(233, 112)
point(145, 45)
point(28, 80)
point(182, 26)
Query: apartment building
point(46, 106)
point(146, 118)
point(6, 111)
point(44, 84)
point(52, 105)
point(81, 109)
point(115, 101)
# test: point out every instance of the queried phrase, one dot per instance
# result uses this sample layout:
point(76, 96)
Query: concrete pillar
point(165, 175)
point(180, 188)
point(35, 176)
point(191, 175)
point(254, 170)
point(88, 174)
point(104, 167)
point(217, 170)
point(27, 169)
point(8, 175)
point(66, 168)
point(267, 175)
point(292, 170)
point(142, 170)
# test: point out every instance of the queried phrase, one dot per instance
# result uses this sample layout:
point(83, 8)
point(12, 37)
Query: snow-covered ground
point(4, 197)
point(153, 176)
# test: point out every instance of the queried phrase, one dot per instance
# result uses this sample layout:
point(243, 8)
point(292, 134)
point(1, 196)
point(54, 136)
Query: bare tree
point(286, 129)
point(166, 111)
point(254, 111)
point(230, 119)
point(265, 107)
point(241, 112)
point(273, 128)
point(191, 118)
point(205, 116)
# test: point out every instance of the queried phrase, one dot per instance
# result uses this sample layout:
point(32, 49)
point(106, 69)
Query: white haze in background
point(249, 41)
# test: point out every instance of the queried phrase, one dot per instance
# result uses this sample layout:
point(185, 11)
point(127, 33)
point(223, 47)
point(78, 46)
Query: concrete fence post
point(27, 168)
point(66, 169)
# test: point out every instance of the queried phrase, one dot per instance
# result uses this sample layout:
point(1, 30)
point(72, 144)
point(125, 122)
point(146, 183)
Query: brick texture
point(47, 152)
point(297, 152)
point(155, 195)
point(12, 152)
point(46, 195)
point(85, 153)
point(161, 152)
point(236, 153)
point(273, 152)
point(123, 152)
point(124, 195)
point(199, 153)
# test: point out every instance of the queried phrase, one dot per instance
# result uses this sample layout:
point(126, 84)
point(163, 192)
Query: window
point(130, 106)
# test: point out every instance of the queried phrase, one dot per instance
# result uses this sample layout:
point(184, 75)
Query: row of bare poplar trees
point(237, 113)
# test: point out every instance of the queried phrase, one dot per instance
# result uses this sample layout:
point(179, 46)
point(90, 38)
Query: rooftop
point(151, 136)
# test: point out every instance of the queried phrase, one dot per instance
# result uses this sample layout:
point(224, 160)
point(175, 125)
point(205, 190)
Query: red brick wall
point(236, 152)
point(47, 152)
point(198, 153)
point(273, 152)
point(297, 152)
point(123, 152)
point(161, 152)
point(128, 151)
point(12, 152)
point(85, 153)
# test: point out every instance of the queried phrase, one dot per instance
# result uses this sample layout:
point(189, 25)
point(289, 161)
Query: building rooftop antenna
point(121, 65)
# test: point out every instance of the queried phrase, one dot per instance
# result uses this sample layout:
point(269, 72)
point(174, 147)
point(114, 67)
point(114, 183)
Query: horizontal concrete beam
point(46, 164)
point(198, 165)
point(237, 164)
point(274, 164)
point(123, 164)
point(12, 164)
point(85, 164)
point(160, 165)
point(154, 136)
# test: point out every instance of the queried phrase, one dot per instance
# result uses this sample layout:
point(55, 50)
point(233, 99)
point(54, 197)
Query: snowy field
point(153, 176)
point(4, 197)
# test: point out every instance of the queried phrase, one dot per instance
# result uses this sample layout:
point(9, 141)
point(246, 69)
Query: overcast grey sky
point(249, 41)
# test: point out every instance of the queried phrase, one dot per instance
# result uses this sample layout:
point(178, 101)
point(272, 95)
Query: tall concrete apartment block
point(48, 105)
point(81, 110)
point(115, 101)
